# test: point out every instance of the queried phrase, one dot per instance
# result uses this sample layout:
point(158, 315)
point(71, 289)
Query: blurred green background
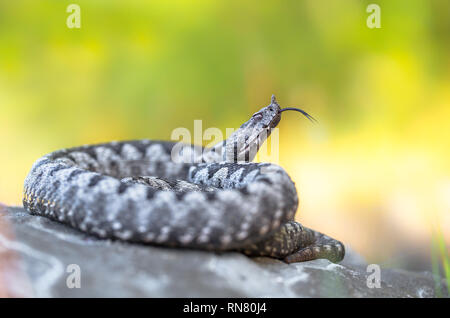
point(375, 171)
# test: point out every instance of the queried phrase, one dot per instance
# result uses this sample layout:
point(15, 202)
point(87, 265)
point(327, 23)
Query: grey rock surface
point(117, 269)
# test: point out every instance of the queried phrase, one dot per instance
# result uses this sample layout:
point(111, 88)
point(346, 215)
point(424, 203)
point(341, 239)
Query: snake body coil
point(218, 200)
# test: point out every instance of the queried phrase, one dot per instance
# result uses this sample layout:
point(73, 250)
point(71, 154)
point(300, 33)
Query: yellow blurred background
point(375, 171)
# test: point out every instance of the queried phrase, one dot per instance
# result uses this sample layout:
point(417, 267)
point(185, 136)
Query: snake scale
point(217, 200)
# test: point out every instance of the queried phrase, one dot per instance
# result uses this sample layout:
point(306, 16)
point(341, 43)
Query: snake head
point(245, 142)
point(266, 118)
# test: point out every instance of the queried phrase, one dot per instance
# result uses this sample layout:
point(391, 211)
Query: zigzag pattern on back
point(134, 191)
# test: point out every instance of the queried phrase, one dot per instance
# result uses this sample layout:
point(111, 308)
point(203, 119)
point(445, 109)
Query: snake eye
point(258, 116)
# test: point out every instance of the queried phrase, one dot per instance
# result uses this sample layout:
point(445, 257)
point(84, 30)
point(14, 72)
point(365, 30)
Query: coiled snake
point(217, 200)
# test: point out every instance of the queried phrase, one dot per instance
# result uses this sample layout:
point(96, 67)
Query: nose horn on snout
point(273, 100)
